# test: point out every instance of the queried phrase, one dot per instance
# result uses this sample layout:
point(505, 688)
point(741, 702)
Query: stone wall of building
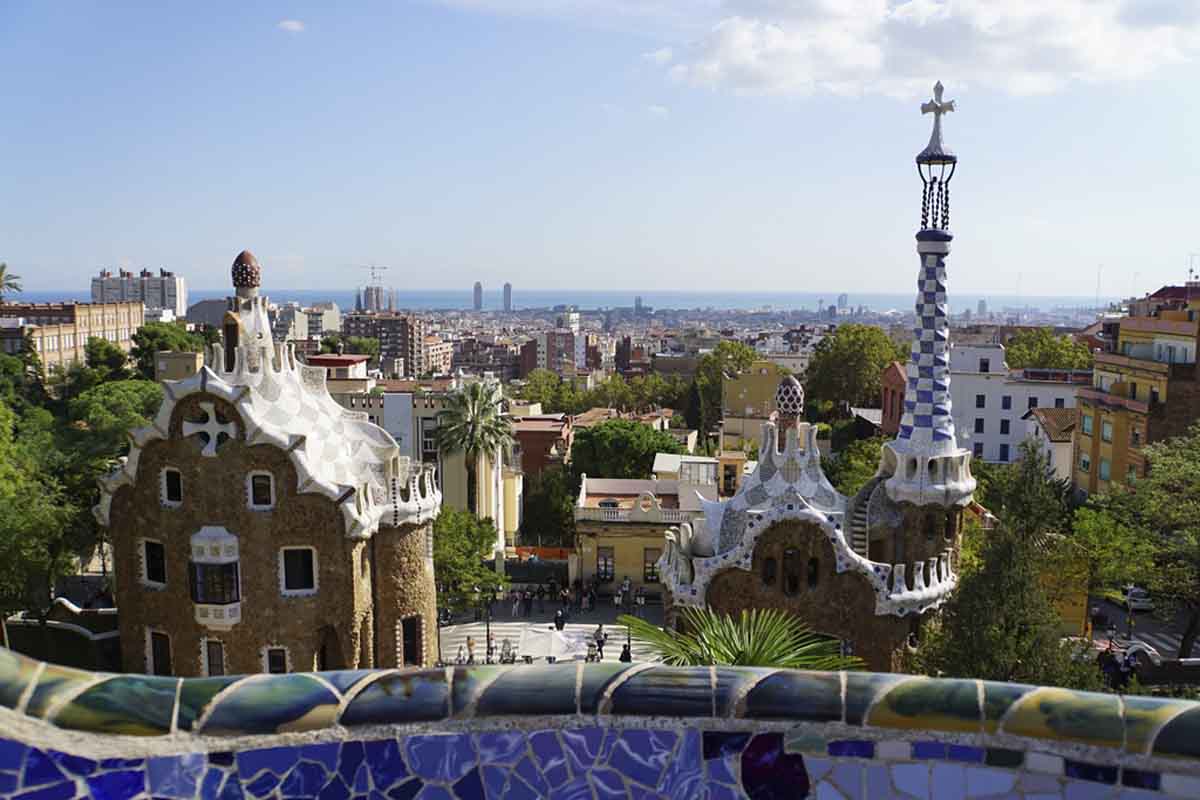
point(215, 494)
point(583, 731)
point(404, 589)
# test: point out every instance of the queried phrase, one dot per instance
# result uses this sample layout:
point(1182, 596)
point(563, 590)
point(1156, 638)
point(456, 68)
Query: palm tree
point(762, 637)
point(473, 425)
point(8, 281)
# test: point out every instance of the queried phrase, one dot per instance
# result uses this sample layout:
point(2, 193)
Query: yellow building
point(620, 523)
point(747, 401)
point(1143, 391)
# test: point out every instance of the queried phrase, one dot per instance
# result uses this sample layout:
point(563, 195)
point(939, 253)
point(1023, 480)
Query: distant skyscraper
point(982, 309)
point(507, 297)
point(478, 296)
point(637, 305)
point(843, 301)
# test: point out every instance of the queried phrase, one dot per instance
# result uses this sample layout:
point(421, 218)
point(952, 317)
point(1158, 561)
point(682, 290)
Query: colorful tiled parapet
point(581, 731)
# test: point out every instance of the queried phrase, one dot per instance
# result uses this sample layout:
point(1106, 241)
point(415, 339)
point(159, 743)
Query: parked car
point(1137, 599)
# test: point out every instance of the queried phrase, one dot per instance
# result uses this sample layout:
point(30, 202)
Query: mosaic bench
point(581, 731)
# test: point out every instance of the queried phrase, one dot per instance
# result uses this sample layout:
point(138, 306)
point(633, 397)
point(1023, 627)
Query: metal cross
point(937, 107)
point(210, 428)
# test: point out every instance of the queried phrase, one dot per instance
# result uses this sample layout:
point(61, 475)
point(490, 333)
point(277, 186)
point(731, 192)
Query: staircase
point(858, 530)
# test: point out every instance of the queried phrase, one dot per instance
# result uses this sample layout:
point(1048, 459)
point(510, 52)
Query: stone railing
point(671, 515)
point(576, 730)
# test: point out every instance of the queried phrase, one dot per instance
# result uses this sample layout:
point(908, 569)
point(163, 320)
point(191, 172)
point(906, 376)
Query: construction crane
point(376, 278)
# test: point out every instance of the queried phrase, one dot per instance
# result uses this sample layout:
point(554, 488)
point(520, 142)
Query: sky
point(718, 145)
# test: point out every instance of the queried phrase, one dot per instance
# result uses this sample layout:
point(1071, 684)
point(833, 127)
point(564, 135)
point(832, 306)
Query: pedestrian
point(600, 637)
point(626, 656)
point(559, 620)
point(528, 603)
point(460, 658)
point(541, 598)
point(470, 650)
point(516, 604)
point(617, 599)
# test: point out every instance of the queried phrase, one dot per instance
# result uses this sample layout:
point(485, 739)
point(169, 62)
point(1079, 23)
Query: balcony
point(1097, 396)
point(1119, 363)
point(1182, 327)
point(672, 515)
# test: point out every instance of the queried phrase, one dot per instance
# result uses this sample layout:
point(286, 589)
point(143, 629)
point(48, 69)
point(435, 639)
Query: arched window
point(814, 572)
point(770, 567)
point(791, 572)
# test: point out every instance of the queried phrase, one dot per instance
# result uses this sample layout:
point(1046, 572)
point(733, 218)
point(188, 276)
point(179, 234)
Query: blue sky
point(691, 144)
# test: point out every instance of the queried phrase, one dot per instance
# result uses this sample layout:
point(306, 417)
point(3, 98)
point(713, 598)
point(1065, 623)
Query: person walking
point(470, 650)
point(600, 637)
point(559, 621)
point(541, 598)
point(516, 604)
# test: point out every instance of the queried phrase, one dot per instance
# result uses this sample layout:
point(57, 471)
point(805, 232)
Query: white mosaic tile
point(1044, 762)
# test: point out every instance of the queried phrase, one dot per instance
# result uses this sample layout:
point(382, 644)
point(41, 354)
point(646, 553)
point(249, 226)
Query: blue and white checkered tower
point(925, 464)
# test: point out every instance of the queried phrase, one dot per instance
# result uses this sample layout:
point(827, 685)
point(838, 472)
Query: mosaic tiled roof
point(789, 397)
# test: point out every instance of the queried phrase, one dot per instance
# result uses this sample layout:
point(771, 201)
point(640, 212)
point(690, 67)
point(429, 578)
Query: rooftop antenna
point(1099, 269)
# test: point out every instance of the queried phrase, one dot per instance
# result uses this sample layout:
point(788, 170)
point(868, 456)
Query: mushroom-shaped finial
point(789, 397)
point(246, 272)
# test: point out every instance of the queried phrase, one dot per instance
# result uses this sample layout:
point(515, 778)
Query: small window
point(1006, 402)
point(1085, 463)
point(985, 365)
point(650, 564)
point(791, 572)
point(160, 654)
point(1086, 424)
point(1132, 390)
point(605, 564)
point(154, 562)
point(1004, 453)
point(277, 660)
point(172, 486)
point(214, 658)
point(1105, 469)
point(410, 640)
point(215, 584)
point(977, 449)
point(1033, 402)
point(770, 568)
point(299, 568)
point(979, 424)
point(814, 573)
point(609, 503)
point(980, 401)
point(1060, 402)
point(1003, 427)
point(261, 490)
point(1106, 431)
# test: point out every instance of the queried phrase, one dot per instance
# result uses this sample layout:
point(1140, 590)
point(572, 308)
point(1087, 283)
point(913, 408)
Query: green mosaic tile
point(398, 697)
point(665, 691)
point(530, 689)
point(273, 704)
point(863, 688)
point(16, 671)
point(936, 705)
point(1180, 737)
point(1051, 713)
point(136, 705)
point(998, 698)
point(56, 682)
point(469, 682)
point(732, 684)
point(596, 680)
point(795, 694)
point(1145, 716)
point(798, 740)
point(195, 696)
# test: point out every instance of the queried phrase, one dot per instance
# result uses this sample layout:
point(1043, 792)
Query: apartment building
point(165, 291)
point(60, 331)
point(552, 350)
point(747, 401)
point(437, 357)
point(1144, 389)
point(989, 400)
point(401, 340)
point(293, 322)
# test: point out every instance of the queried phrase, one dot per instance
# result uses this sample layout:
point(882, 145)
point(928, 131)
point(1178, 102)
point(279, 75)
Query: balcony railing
point(634, 515)
point(1098, 396)
point(1173, 371)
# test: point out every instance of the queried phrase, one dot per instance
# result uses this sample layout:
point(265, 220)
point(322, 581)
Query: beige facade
point(173, 366)
point(747, 401)
point(60, 331)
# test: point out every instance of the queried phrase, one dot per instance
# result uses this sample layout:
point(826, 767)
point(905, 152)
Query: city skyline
point(738, 144)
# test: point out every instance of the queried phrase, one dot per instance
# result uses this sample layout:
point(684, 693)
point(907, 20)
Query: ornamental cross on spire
point(935, 152)
point(936, 106)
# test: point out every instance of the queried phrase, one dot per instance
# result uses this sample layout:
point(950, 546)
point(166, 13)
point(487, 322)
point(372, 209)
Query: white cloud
point(291, 25)
point(900, 47)
point(658, 111)
point(661, 56)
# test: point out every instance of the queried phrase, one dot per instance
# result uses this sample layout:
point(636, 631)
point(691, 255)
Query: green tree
point(354, 345)
point(548, 518)
point(155, 337)
point(1110, 552)
point(473, 425)
point(1026, 496)
point(619, 448)
point(847, 365)
point(461, 545)
point(104, 414)
point(541, 386)
point(107, 360)
point(850, 470)
point(1041, 348)
point(755, 638)
point(9, 283)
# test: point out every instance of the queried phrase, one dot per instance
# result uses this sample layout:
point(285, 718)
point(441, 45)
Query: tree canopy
point(154, 337)
point(548, 518)
point(355, 345)
point(856, 464)
point(461, 545)
point(9, 283)
point(473, 425)
point(619, 448)
point(642, 393)
point(847, 365)
point(1041, 348)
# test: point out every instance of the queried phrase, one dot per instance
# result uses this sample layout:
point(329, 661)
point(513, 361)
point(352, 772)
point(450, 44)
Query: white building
point(700, 470)
point(1053, 429)
point(990, 400)
point(166, 290)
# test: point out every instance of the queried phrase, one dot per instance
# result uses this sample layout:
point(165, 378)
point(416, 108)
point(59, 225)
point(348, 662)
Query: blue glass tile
point(12, 754)
point(686, 768)
point(718, 744)
point(344, 680)
point(326, 754)
point(929, 750)
point(578, 789)
point(175, 776)
point(913, 779)
point(222, 759)
point(400, 697)
point(1140, 779)
point(8, 784)
point(852, 748)
point(434, 793)
point(76, 765)
point(722, 770)
point(268, 706)
point(469, 786)
point(351, 757)
point(582, 746)
point(59, 791)
point(277, 759)
point(642, 755)
point(210, 787)
point(40, 769)
point(962, 752)
point(924, 396)
point(494, 779)
point(305, 780)
point(1099, 773)
point(120, 763)
point(608, 784)
point(923, 420)
point(768, 773)
point(550, 756)
point(407, 790)
point(503, 747)
point(386, 764)
point(520, 790)
point(336, 789)
point(440, 757)
point(878, 784)
point(362, 779)
point(263, 785)
point(232, 790)
point(530, 775)
point(848, 777)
